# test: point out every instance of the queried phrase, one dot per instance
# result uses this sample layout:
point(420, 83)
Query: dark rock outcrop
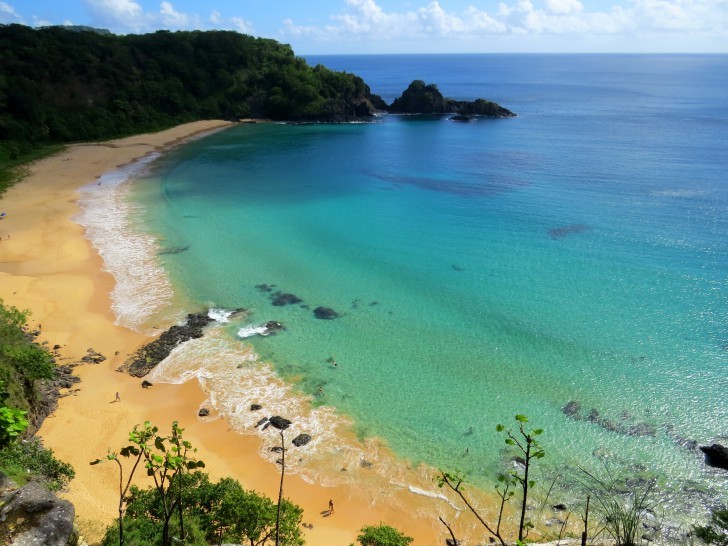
point(146, 384)
point(301, 440)
point(93, 357)
point(279, 422)
point(255, 407)
point(273, 326)
point(204, 412)
point(145, 359)
point(33, 515)
point(48, 395)
point(325, 313)
point(421, 98)
point(716, 455)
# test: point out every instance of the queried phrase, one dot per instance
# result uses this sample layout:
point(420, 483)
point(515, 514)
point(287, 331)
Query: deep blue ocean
point(577, 253)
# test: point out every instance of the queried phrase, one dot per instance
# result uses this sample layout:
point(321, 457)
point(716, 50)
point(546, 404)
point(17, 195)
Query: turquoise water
point(576, 253)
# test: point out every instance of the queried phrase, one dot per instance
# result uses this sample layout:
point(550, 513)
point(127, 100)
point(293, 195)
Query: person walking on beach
point(331, 506)
point(118, 398)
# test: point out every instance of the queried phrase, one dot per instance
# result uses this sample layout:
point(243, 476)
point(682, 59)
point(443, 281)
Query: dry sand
point(48, 267)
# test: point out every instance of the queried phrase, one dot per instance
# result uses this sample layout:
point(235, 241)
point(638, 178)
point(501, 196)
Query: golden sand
point(48, 267)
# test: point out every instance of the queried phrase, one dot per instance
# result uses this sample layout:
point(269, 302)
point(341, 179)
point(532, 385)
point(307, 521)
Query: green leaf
point(499, 428)
point(537, 431)
point(510, 441)
point(521, 418)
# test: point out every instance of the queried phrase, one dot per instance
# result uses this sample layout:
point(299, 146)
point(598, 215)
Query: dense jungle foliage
point(64, 84)
point(24, 364)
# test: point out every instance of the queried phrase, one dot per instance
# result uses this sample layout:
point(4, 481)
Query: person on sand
point(331, 506)
point(118, 398)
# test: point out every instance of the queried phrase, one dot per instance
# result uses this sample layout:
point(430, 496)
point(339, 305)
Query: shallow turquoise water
point(577, 252)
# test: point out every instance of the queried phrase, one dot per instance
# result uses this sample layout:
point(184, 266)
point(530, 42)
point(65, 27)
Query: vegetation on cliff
point(25, 369)
point(61, 84)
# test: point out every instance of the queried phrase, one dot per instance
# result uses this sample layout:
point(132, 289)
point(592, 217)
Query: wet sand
point(47, 266)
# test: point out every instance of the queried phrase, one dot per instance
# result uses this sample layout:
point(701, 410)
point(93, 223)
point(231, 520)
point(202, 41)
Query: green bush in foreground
point(382, 535)
point(24, 460)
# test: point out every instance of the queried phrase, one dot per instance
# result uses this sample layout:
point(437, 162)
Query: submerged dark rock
point(204, 412)
point(280, 299)
point(255, 407)
point(146, 358)
point(265, 287)
point(325, 313)
point(172, 250)
point(563, 231)
point(573, 411)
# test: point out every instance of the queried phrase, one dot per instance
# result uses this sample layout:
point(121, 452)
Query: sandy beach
point(47, 266)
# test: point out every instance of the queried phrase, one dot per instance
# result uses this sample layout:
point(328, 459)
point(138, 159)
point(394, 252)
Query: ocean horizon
point(569, 264)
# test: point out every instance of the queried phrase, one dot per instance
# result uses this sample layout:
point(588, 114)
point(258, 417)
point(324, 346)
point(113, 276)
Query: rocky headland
point(421, 98)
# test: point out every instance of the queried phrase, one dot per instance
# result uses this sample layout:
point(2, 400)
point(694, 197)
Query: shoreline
point(49, 267)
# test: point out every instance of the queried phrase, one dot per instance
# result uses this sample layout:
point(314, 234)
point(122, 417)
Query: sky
point(412, 26)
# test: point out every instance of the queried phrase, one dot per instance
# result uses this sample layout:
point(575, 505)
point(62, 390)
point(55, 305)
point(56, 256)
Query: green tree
point(526, 441)
point(224, 512)
point(382, 535)
point(133, 451)
point(523, 439)
point(166, 458)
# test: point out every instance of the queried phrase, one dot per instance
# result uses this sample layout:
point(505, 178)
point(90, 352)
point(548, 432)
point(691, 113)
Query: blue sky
point(412, 26)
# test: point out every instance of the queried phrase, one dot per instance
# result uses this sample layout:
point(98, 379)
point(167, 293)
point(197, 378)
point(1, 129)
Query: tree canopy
point(63, 84)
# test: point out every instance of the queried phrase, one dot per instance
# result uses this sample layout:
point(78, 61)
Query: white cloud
point(560, 7)
point(125, 16)
point(367, 20)
point(241, 25)
point(8, 14)
point(171, 18)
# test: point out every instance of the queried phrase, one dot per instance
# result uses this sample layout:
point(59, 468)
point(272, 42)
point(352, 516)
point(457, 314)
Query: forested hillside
point(60, 84)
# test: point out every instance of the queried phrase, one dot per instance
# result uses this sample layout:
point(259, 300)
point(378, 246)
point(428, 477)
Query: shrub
point(382, 535)
point(22, 460)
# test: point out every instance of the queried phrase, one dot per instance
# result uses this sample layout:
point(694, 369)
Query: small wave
point(250, 331)
point(142, 287)
point(679, 193)
point(220, 315)
point(431, 494)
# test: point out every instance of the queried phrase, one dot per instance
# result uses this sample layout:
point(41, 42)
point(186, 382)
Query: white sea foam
point(220, 315)
point(252, 330)
point(142, 287)
point(679, 192)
